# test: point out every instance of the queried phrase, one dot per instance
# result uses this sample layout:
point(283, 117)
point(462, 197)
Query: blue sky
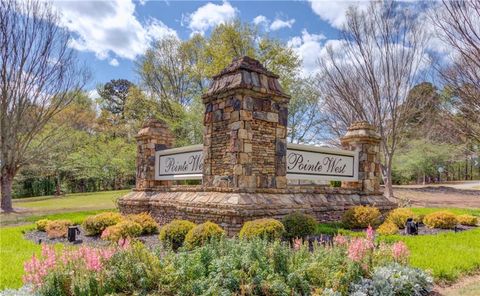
point(110, 35)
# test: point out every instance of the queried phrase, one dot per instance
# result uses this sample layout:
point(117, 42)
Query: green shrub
point(42, 224)
point(123, 229)
point(57, 228)
point(361, 217)
point(173, 233)
point(95, 225)
point(468, 220)
point(147, 222)
point(399, 216)
point(203, 233)
point(441, 219)
point(299, 225)
point(335, 183)
point(269, 229)
point(387, 228)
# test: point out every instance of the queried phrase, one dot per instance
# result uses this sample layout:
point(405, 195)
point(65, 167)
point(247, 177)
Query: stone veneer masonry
point(244, 172)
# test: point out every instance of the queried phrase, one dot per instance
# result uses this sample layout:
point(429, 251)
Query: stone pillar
point(155, 135)
point(245, 128)
point(362, 137)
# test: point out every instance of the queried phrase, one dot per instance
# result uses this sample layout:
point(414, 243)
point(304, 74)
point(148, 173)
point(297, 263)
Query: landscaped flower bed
point(230, 266)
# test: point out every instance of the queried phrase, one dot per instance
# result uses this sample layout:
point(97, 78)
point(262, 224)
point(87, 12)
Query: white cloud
point(109, 28)
point(114, 62)
point(208, 16)
point(334, 11)
point(308, 47)
point(278, 24)
point(260, 19)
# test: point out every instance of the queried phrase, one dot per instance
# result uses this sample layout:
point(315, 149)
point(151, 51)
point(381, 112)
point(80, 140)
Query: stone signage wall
point(245, 128)
point(244, 161)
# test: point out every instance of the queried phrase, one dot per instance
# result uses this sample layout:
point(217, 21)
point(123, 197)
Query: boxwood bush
point(468, 220)
point(361, 217)
point(57, 228)
point(387, 228)
point(203, 233)
point(399, 216)
point(96, 224)
point(173, 233)
point(299, 225)
point(123, 229)
point(149, 226)
point(41, 224)
point(269, 229)
point(441, 219)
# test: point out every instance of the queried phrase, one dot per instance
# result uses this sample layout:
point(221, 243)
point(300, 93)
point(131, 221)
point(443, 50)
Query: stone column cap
point(244, 73)
point(361, 131)
point(152, 128)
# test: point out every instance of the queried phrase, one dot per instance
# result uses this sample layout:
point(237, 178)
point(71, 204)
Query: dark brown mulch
point(424, 230)
point(95, 241)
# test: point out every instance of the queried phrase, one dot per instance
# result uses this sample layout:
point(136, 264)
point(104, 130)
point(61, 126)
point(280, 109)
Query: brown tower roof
point(246, 73)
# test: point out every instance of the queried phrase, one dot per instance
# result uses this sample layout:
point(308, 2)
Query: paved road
point(465, 185)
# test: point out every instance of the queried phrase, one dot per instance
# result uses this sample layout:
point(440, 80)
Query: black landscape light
point(72, 233)
point(411, 227)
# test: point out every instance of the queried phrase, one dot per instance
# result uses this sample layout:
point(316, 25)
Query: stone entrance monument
point(245, 164)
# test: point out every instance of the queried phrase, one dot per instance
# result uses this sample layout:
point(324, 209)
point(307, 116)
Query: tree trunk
point(58, 190)
point(6, 181)
point(387, 177)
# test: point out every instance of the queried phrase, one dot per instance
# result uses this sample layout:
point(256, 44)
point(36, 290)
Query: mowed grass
point(30, 209)
point(15, 250)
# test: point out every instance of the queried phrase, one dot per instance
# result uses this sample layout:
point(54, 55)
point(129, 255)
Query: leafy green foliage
point(202, 234)
point(173, 233)
point(361, 217)
point(299, 225)
point(269, 229)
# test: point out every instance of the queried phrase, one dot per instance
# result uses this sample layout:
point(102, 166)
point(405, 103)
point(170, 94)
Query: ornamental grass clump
point(96, 224)
point(299, 225)
point(41, 224)
point(203, 233)
point(399, 216)
point(269, 229)
point(361, 217)
point(146, 221)
point(173, 234)
point(468, 220)
point(441, 219)
point(57, 228)
point(122, 230)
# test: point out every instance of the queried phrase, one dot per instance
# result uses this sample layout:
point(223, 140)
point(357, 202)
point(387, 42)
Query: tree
point(305, 121)
point(176, 73)
point(370, 72)
point(113, 96)
point(458, 26)
point(39, 77)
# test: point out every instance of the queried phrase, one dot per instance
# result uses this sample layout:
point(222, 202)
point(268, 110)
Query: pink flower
point(370, 234)
point(297, 244)
point(340, 240)
point(400, 251)
point(124, 243)
point(357, 249)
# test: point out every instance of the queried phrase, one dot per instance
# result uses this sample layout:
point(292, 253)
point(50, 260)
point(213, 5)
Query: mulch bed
point(94, 241)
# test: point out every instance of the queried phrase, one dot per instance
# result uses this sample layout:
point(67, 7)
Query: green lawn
point(31, 208)
point(14, 249)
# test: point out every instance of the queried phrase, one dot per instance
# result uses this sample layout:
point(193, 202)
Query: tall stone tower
point(245, 128)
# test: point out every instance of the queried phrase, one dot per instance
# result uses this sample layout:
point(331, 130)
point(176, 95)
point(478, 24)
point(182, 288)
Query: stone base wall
point(231, 210)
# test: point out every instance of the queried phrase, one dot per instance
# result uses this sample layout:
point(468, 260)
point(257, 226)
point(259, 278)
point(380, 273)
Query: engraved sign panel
point(318, 163)
point(304, 162)
point(179, 163)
